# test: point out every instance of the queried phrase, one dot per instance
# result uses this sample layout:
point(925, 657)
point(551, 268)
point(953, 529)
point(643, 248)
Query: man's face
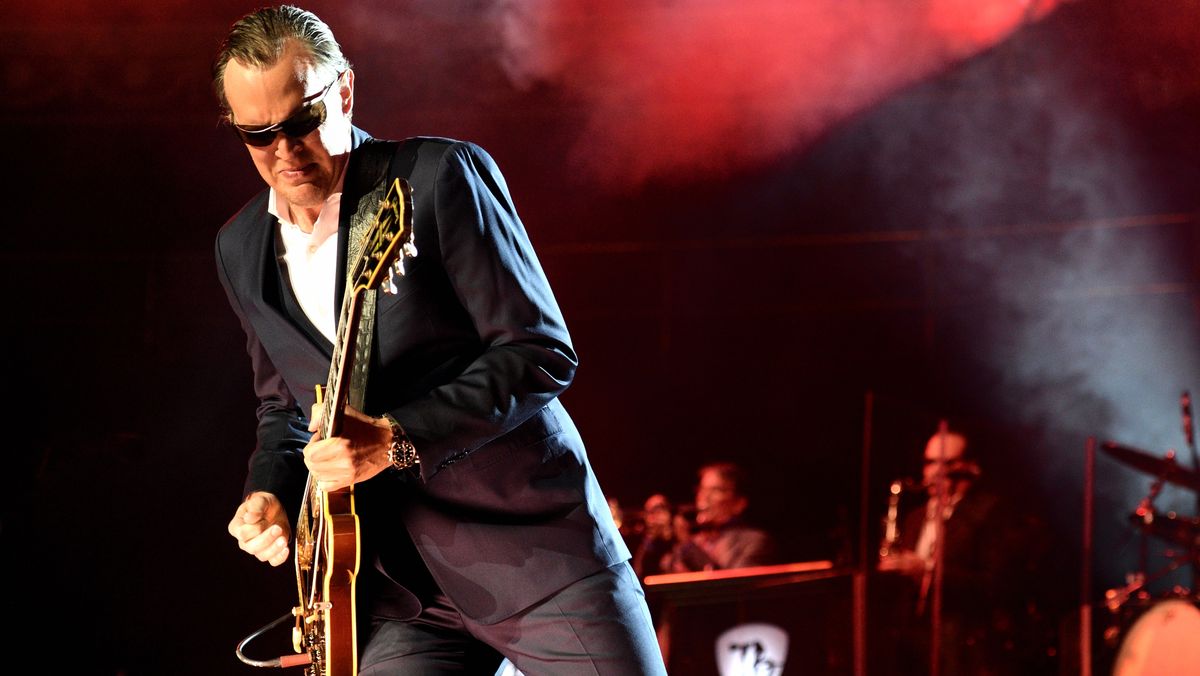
point(657, 511)
point(955, 445)
point(303, 170)
point(717, 500)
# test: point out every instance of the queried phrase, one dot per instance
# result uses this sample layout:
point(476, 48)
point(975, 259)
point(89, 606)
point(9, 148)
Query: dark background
point(756, 219)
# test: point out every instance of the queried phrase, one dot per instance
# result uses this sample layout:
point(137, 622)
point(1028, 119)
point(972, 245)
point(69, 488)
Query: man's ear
point(346, 90)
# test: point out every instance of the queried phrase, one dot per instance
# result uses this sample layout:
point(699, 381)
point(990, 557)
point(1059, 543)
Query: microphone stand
point(939, 556)
point(861, 588)
point(1085, 583)
point(1190, 436)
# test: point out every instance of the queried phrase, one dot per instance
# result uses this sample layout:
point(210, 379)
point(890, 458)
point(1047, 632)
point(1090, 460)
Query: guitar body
point(341, 568)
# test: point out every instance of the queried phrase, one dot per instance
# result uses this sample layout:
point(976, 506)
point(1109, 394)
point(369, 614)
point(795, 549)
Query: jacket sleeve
point(277, 463)
point(527, 358)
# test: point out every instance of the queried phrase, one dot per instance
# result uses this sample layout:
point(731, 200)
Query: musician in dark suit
point(993, 558)
point(484, 530)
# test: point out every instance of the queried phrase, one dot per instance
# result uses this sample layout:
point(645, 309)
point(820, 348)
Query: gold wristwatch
point(401, 454)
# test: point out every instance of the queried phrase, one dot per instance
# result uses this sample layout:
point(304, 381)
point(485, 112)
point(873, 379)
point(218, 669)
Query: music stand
point(807, 600)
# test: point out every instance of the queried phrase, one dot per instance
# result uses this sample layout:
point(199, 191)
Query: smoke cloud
point(1038, 195)
point(692, 88)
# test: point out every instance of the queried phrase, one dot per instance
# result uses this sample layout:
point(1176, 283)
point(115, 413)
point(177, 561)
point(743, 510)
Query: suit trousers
point(598, 625)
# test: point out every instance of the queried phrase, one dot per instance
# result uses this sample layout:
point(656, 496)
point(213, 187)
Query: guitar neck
point(341, 367)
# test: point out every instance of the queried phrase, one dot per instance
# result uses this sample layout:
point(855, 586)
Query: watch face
point(402, 454)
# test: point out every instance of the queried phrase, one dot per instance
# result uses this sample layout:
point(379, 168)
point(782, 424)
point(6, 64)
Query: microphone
point(1185, 403)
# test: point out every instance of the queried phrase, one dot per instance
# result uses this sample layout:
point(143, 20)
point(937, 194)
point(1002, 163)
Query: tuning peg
point(410, 249)
point(390, 286)
point(398, 267)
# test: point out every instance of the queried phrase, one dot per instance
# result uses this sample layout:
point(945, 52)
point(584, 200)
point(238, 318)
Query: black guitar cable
point(281, 662)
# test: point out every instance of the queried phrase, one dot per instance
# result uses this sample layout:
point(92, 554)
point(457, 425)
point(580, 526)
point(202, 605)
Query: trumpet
point(637, 520)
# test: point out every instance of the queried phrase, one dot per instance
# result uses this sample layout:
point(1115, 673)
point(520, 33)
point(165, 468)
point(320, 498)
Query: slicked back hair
point(260, 38)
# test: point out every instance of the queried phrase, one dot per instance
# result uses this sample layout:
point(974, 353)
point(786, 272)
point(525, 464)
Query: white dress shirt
point(309, 260)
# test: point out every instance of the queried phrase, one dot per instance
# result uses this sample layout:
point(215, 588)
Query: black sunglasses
point(298, 125)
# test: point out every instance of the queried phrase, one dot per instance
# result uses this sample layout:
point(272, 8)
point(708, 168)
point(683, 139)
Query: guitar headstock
point(387, 243)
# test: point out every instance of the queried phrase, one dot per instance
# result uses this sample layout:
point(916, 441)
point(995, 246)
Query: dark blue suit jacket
point(470, 357)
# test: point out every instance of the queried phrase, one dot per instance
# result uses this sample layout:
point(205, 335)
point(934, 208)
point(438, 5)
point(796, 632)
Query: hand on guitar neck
point(359, 452)
point(262, 529)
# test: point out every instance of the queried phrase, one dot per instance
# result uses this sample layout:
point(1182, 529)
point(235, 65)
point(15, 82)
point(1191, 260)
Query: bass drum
point(1165, 640)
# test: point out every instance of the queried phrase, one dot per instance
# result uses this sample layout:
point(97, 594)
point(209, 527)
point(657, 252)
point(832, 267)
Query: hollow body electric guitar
point(327, 534)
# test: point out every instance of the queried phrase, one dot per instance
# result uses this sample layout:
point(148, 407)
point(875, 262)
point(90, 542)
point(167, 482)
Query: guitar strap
point(373, 170)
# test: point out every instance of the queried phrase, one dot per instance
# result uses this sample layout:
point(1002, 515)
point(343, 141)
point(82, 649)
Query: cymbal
point(1164, 468)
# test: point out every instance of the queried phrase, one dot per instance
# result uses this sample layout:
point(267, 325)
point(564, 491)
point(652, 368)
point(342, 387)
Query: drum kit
point(1157, 633)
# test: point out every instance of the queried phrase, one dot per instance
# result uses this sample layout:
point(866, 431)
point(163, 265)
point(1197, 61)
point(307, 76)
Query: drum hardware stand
point(1117, 598)
point(1137, 583)
point(1145, 512)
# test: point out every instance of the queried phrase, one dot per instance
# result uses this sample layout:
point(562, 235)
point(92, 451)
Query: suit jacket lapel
point(290, 305)
point(276, 293)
